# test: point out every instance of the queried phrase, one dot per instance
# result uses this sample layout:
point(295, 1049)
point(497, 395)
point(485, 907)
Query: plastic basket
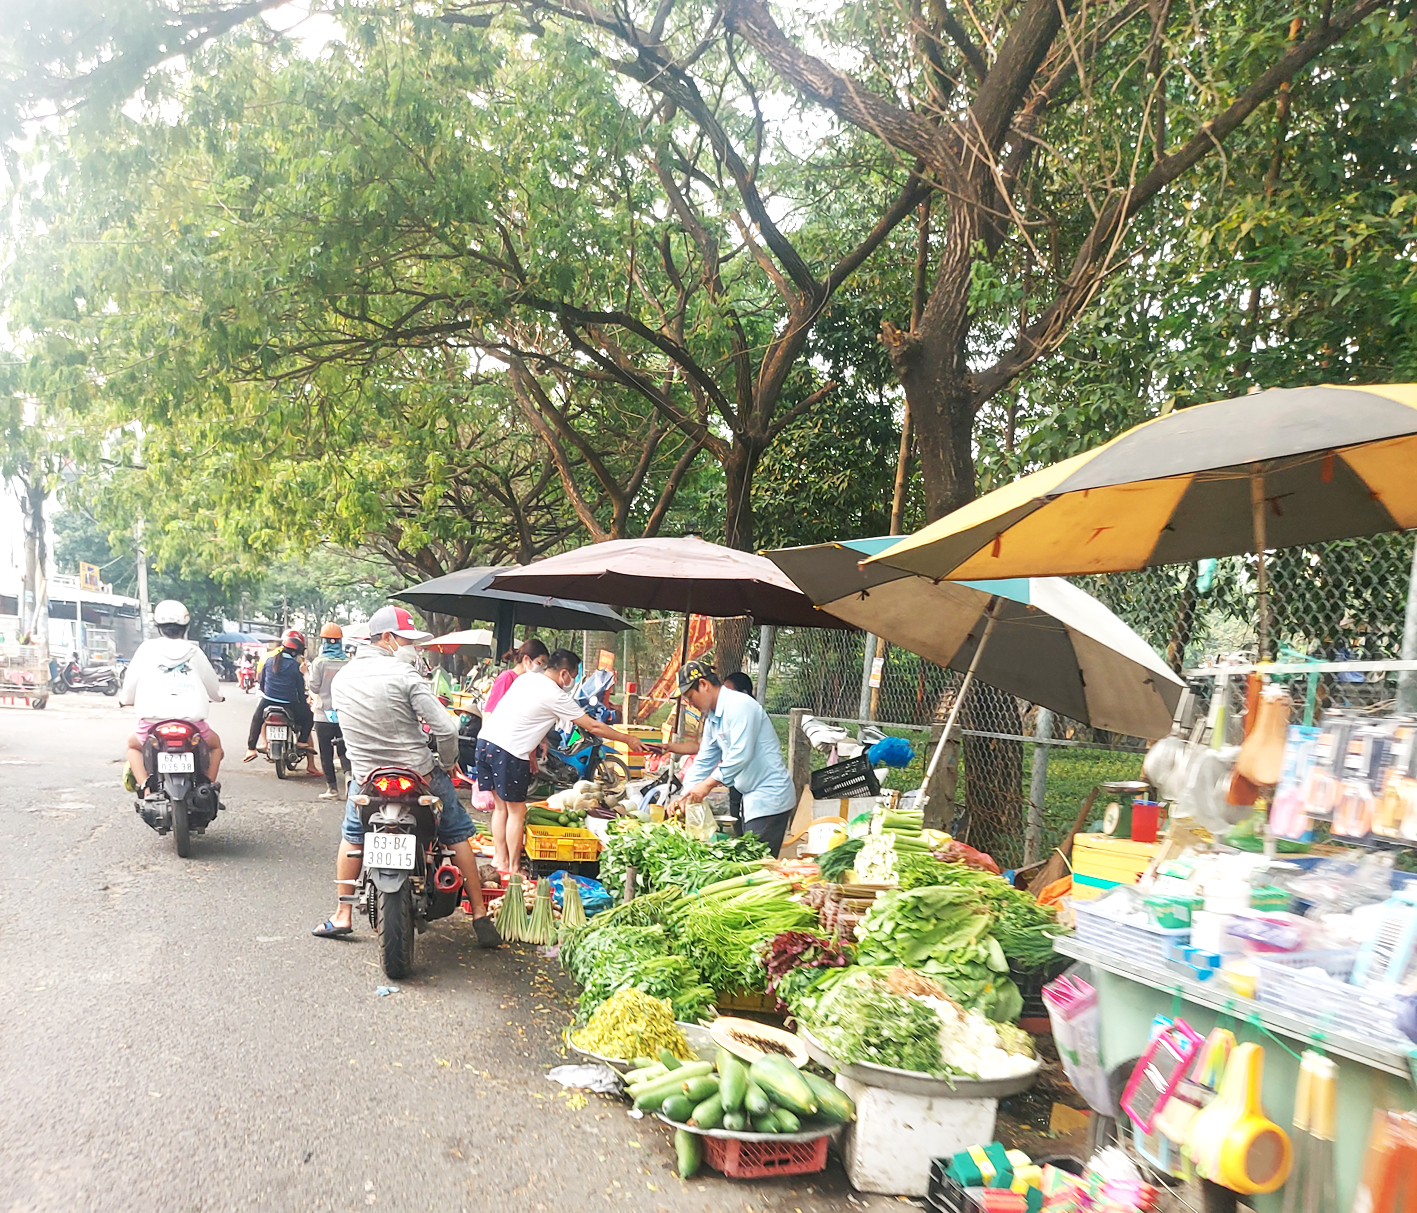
point(565, 844)
point(1315, 985)
point(1142, 942)
point(739, 1159)
point(944, 1195)
point(546, 867)
point(1030, 984)
point(845, 780)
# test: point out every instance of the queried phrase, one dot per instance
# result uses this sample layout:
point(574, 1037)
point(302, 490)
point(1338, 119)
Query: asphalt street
point(175, 1039)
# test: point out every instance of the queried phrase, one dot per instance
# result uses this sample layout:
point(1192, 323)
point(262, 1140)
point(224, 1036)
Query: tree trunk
point(738, 472)
point(34, 607)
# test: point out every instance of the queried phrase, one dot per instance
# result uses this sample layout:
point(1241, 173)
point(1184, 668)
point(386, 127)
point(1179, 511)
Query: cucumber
point(678, 1108)
point(766, 1123)
point(669, 1060)
point(709, 1114)
point(649, 1095)
point(833, 1104)
point(642, 1063)
point(786, 1121)
point(690, 1150)
point(699, 1089)
point(735, 1122)
point(783, 1083)
point(733, 1084)
point(755, 1103)
point(563, 819)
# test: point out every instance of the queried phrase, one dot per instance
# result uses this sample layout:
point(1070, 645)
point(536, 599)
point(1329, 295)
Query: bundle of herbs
point(835, 863)
point(859, 1020)
point(725, 926)
point(662, 854)
point(622, 958)
point(943, 931)
point(793, 950)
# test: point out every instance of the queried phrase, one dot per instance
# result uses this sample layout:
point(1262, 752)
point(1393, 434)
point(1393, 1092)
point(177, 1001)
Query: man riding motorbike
point(283, 683)
point(170, 678)
point(383, 704)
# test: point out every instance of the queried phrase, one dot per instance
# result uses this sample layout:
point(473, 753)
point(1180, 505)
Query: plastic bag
point(891, 752)
point(1077, 1023)
point(480, 801)
point(594, 896)
point(699, 822)
point(1335, 885)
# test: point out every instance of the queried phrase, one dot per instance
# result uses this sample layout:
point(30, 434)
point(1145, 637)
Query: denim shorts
point(503, 773)
point(454, 825)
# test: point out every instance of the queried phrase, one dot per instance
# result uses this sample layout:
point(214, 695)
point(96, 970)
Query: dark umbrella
point(468, 594)
point(688, 575)
point(237, 638)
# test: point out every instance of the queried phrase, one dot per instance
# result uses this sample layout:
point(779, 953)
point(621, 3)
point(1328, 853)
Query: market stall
point(1244, 1019)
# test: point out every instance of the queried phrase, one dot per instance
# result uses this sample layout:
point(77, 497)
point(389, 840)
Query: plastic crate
point(564, 844)
point(1288, 980)
point(845, 780)
point(944, 1195)
point(746, 1000)
point(1142, 942)
point(546, 867)
point(739, 1159)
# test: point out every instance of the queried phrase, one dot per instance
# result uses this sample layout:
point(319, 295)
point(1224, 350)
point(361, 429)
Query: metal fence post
point(863, 710)
point(1037, 787)
point(799, 751)
point(1407, 680)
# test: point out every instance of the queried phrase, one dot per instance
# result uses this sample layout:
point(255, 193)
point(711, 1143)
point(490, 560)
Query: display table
point(1372, 1074)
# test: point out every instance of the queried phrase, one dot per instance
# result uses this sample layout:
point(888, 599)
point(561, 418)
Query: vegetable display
point(840, 859)
point(725, 926)
point(943, 931)
point(632, 1024)
point(636, 958)
point(801, 950)
point(663, 854)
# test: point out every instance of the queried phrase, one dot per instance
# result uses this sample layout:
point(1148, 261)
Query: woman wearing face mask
point(525, 660)
point(327, 731)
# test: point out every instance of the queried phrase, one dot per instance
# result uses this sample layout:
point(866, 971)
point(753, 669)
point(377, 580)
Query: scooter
point(281, 745)
point(246, 678)
point(74, 677)
point(186, 800)
point(407, 878)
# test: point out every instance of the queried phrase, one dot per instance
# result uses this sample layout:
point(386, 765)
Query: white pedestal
point(888, 1147)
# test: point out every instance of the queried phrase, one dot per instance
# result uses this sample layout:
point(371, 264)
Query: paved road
point(174, 1039)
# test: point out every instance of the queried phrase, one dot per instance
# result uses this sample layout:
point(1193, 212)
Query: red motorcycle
point(246, 678)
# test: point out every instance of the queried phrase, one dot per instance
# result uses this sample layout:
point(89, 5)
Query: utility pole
point(144, 614)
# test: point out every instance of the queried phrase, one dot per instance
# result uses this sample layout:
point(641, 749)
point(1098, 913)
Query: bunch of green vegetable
point(620, 958)
point(943, 932)
point(725, 926)
point(835, 863)
point(768, 1095)
point(663, 854)
point(1022, 927)
point(859, 1020)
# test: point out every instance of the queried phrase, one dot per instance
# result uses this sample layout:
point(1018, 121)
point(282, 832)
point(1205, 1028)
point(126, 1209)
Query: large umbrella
point(478, 638)
point(1054, 644)
point(470, 594)
point(688, 575)
point(1272, 469)
point(237, 638)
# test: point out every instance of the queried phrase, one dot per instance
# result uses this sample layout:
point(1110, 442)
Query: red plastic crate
point(740, 1159)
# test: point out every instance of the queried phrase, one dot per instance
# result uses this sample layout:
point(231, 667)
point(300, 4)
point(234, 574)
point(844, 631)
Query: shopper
point(738, 747)
point(530, 658)
point(328, 736)
point(529, 709)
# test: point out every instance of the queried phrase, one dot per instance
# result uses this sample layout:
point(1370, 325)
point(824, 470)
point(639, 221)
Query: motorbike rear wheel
point(278, 753)
point(396, 932)
point(181, 835)
point(59, 686)
point(612, 774)
point(110, 688)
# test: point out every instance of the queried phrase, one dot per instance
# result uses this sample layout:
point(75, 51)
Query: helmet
point(171, 611)
point(294, 640)
point(332, 631)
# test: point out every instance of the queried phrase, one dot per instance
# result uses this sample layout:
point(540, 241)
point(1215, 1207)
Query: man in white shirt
point(533, 705)
point(170, 678)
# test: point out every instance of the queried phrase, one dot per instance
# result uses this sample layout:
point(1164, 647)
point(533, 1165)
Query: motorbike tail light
point(174, 730)
point(392, 785)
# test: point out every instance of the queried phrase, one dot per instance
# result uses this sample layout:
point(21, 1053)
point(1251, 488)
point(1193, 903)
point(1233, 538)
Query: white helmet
point(171, 611)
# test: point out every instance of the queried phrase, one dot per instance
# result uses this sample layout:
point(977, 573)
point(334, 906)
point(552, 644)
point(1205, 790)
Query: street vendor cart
point(24, 676)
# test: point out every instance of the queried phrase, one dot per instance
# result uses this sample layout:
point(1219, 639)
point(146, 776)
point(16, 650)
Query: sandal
point(328, 930)
point(487, 934)
point(251, 757)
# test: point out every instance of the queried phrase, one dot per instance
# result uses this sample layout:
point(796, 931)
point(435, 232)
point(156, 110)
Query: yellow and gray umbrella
point(1272, 469)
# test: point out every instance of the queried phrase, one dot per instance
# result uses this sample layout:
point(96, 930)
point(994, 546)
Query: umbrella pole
point(924, 798)
point(1261, 573)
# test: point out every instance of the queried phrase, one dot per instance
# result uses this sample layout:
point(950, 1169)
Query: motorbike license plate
point(277, 732)
point(390, 851)
point(171, 764)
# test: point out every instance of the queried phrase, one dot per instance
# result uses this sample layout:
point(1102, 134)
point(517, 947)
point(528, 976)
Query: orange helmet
point(332, 631)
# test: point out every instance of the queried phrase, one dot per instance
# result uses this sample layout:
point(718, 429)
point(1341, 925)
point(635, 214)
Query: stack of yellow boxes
point(636, 762)
point(1101, 862)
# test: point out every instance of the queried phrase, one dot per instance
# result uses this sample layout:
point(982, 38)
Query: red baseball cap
point(398, 621)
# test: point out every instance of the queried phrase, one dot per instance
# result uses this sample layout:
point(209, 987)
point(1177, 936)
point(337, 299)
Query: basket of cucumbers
point(766, 1101)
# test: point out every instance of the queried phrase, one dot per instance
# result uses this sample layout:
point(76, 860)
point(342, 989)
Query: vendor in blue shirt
point(737, 748)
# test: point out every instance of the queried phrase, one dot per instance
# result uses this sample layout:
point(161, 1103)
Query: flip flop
point(251, 757)
point(328, 930)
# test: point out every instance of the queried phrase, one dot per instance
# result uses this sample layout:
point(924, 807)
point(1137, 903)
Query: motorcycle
point(187, 800)
point(407, 878)
point(281, 745)
point(74, 677)
point(246, 678)
point(573, 756)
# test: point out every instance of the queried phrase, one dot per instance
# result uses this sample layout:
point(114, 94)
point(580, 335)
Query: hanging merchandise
point(1162, 1067)
point(1232, 1142)
point(1312, 1187)
point(1073, 1013)
point(1386, 1186)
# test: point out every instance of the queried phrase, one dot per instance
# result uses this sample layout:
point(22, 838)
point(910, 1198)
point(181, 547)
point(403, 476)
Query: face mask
point(407, 653)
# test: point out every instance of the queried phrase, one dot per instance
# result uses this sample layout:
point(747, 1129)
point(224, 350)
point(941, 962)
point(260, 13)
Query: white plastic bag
point(1077, 1024)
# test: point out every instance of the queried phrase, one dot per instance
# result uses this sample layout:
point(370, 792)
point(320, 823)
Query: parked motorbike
point(187, 800)
point(407, 878)
point(75, 677)
point(246, 678)
point(281, 745)
point(573, 756)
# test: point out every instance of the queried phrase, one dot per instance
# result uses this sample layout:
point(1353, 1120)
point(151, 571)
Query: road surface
point(174, 1038)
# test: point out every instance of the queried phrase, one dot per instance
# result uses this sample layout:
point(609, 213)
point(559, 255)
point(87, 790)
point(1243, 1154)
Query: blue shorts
point(454, 825)
point(503, 773)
